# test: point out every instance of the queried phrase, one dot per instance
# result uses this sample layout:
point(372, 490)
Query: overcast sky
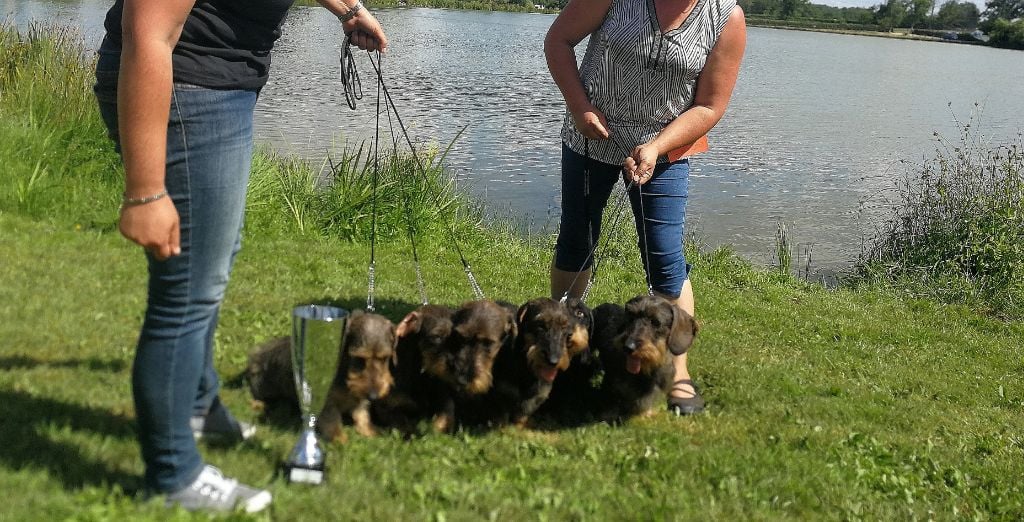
point(869, 3)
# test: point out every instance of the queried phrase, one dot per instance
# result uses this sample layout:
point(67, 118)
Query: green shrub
point(957, 229)
point(1005, 33)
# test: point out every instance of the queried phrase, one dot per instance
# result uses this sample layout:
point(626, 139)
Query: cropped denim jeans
point(209, 154)
point(660, 220)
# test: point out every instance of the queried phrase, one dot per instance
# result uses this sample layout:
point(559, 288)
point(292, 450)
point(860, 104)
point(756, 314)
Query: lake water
point(813, 138)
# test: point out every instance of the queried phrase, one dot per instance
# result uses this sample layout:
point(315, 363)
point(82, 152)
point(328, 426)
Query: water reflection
point(813, 137)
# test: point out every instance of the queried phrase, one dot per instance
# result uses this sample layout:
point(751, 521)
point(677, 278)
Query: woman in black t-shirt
point(177, 82)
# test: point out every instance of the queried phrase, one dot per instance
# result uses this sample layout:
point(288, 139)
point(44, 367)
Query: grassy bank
point(843, 404)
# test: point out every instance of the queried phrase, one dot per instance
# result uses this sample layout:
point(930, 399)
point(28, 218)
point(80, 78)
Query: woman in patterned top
point(656, 77)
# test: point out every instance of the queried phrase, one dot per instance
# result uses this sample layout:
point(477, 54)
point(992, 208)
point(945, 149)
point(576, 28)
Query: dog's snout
point(630, 345)
point(553, 358)
point(374, 395)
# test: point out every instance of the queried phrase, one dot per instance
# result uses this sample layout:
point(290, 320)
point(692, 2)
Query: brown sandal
point(688, 406)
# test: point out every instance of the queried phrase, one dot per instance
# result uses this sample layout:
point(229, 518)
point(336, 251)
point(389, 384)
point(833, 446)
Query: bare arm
point(150, 31)
point(714, 89)
point(579, 19)
point(364, 29)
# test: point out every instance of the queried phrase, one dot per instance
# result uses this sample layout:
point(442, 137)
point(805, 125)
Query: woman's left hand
point(639, 166)
point(365, 32)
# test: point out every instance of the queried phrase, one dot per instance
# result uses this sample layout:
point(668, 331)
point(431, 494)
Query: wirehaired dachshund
point(636, 344)
point(446, 361)
point(524, 374)
point(363, 375)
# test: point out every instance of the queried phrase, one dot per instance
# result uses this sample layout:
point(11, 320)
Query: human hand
point(590, 122)
point(154, 226)
point(639, 166)
point(365, 32)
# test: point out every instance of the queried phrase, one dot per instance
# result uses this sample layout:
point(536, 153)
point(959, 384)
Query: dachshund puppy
point(574, 393)
point(636, 345)
point(425, 330)
point(524, 374)
point(461, 370)
point(363, 374)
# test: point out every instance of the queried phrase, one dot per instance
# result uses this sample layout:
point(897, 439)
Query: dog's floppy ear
point(410, 325)
point(511, 328)
point(523, 310)
point(532, 306)
point(684, 330)
point(394, 343)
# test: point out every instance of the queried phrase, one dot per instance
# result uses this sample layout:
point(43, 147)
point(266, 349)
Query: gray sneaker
point(217, 428)
point(212, 491)
point(218, 425)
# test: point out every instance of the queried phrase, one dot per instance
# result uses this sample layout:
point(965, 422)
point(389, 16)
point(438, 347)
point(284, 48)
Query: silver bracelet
point(129, 202)
point(351, 13)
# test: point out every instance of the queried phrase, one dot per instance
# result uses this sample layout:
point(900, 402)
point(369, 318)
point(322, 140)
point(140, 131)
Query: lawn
point(826, 404)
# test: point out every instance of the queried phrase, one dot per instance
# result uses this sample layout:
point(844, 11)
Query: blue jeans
point(209, 154)
point(660, 220)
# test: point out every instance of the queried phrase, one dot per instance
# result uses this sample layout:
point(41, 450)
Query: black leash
point(370, 305)
point(349, 75)
point(353, 91)
point(592, 247)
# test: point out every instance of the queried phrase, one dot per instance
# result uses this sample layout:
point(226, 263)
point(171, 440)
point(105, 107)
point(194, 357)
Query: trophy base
point(300, 475)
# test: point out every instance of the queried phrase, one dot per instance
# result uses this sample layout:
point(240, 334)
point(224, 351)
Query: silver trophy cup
point(317, 333)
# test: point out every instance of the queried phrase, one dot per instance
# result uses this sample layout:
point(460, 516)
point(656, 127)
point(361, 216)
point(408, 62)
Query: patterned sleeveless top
point(641, 78)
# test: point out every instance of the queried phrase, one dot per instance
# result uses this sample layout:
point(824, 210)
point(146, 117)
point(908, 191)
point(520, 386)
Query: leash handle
point(350, 75)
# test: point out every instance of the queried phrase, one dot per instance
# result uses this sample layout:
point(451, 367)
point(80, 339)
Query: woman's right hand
point(590, 122)
point(154, 226)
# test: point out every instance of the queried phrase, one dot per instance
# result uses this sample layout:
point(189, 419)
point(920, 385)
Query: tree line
point(1002, 20)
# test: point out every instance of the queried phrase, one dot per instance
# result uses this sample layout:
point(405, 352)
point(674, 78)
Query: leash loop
point(349, 75)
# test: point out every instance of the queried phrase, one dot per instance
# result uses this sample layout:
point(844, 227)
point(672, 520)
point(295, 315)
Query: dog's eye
point(357, 364)
point(435, 339)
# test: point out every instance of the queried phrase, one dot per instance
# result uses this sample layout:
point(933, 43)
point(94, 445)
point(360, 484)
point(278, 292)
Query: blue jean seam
point(188, 279)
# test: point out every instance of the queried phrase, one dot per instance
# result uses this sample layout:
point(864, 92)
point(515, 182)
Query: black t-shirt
point(225, 44)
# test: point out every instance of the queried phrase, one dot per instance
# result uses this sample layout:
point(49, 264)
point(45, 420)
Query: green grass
point(823, 404)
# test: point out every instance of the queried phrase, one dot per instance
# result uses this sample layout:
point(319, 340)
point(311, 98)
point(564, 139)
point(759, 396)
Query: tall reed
point(957, 228)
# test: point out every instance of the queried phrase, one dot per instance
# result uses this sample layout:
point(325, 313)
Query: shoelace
point(213, 484)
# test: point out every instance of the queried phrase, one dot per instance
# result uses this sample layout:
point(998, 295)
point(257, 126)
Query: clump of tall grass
point(56, 156)
point(957, 228)
point(336, 198)
point(59, 163)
